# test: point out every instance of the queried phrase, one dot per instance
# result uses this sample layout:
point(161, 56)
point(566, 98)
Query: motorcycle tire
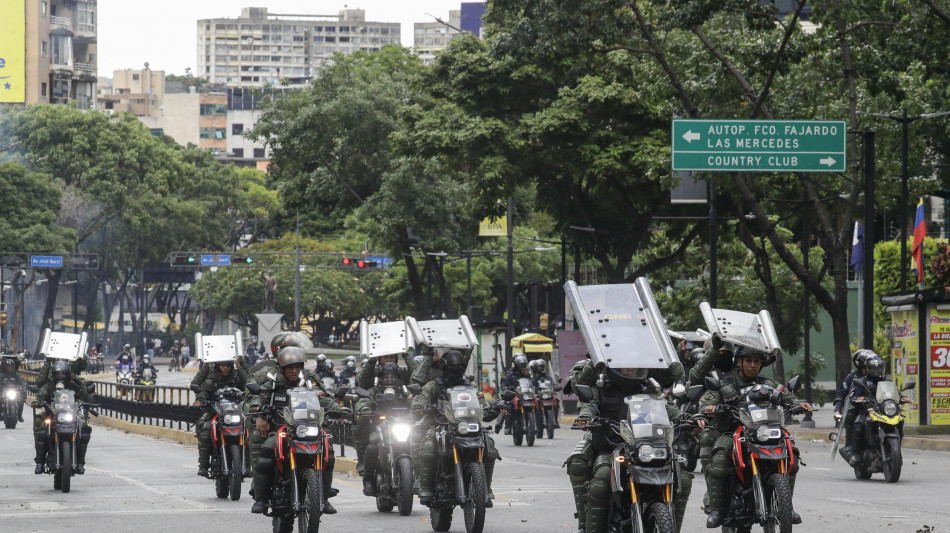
point(10, 422)
point(658, 519)
point(383, 503)
point(892, 462)
point(551, 423)
point(237, 472)
point(221, 486)
point(440, 518)
point(66, 470)
point(308, 520)
point(517, 433)
point(474, 508)
point(404, 498)
point(778, 504)
point(861, 473)
point(540, 422)
point(283, 524)
point(532, 430)
point(57, 480)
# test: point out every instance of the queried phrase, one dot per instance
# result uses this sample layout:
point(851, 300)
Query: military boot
point(81, 457)
point(327, 489)
point(796, 518)
point(425, 474)
point(42, 447)
point(489, 467)
point(369, 472)
point(716, 493)
point(262, 491)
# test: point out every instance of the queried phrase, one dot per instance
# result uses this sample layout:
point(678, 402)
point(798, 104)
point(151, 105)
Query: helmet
point(350, 358)
point(520, 362)
point(146, 359)
point(351, 365)
point(875, 365)
point(9, 364)
point(389, 374)
point(321, 358)
point(453, 365)
point(276, 340)
point(537, 365)
point(290, 355)
point(127, 347)
point(766, 358)
point(61, 371)
point(696, 354)
point(293, 338)
point(861, 357)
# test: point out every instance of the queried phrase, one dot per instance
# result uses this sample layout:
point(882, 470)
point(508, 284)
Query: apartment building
point(140, 92)
point(48, 52)
point(261, 48)
point(431, 37)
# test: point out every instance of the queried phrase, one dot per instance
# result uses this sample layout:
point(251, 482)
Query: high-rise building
point(140, 92)
point(48, 52)
point(263, 48)
point(431, 37)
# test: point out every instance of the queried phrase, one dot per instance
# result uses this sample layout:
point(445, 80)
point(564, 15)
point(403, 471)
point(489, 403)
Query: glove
point(837, 416)
point(717, 343)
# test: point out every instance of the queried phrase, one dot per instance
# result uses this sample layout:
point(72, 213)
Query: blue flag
point(857, 247)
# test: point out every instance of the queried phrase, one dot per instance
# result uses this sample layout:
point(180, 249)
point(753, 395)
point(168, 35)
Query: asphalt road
point(148, 485)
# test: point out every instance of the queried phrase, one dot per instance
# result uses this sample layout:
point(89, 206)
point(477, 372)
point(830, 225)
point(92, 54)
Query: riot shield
point(621, 324)
point(218, 348)
point(452, 334)
point(385, 338)
point(844, 416)
point(68, 346)
point(755, 331)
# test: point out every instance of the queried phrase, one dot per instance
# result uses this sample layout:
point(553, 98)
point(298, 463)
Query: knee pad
point(599, 487)
point(427, 447)
point(265, 464)
point(686, 485)
point(578, 467)
point(719, 467)
point(493, 450)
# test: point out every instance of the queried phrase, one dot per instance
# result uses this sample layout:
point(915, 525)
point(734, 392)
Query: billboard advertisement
point(905, 360)
point(939, 367)
point(12, 51)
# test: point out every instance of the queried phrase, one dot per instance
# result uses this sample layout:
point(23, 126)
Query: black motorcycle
point(394, 474)
point(884, 431)
point(12, 396)
point(228, 443)
point(460, 448)
point(302, 451)
point(63, 431)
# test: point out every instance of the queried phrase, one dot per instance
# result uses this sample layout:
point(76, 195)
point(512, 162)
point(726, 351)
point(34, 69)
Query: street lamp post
point(510, 301)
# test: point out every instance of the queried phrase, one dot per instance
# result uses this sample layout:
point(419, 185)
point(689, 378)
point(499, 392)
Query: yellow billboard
point(12, 51)
point(497, 227)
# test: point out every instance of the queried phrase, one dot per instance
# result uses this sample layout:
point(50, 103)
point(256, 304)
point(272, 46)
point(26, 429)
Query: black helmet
point(388, 374)
point(696, 354)
point(453, 365)
point(351, 365)
point(290, 355)
point(61, 371)
point(748, 352)
point(876, 368)
point(520, 361)
point(321, 358)
point(860, 358)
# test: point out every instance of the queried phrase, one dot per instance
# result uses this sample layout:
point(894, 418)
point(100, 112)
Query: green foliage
point(819, 395)
point(30, 211)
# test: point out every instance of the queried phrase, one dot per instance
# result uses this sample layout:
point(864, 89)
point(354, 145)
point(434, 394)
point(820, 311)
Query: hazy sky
point(164, 33)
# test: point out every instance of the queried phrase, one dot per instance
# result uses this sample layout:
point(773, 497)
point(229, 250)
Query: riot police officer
point(61, 376)
point(859, 359)
point(223, 374)
point(365, 408)
point(8, 372)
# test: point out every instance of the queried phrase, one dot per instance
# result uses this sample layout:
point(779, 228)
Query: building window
point(212, 133)
point(43, 88)
point(214, 110)
point(43, 8)
point(44, 49)
point(156, 132)
point(259, 153)
point(238, 152)
point(135, 77)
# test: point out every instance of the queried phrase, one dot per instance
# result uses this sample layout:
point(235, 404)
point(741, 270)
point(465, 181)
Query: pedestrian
point(185, 353)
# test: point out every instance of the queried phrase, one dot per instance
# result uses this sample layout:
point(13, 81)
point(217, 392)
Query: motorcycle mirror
point(254, 388)
point(695, 392)
point(909, 385)
point(713, 383)
point(195, 387)
point(90, 387)
point(342, 391)
point(793, 383)
point(415, 388)
point(584, 392)
point(362, 393)
point(32, 388)
point(508, 395)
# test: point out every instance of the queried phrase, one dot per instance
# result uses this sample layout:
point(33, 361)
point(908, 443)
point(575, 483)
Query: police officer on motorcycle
point(518, 370)
point(875, 371)
point(452, 365)
point(125, 357)
point(716, 356)
point(325, 368)
point(290, 361)
point(349, 371)
point(859, 359)
point(377, 375)
point(62, 377)
point(8, 372)
point(145, 363)
point(76, 366)
point(749, 363)
point(222, 374)
point(539, 373)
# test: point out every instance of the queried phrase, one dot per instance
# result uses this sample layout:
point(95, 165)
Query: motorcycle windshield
point(303, 406)
point(886, 390)
point(766, 415)
point(64, 401)
point(621, 325)
point(227, 406)
point(525, 387)
point(147, 374)
point(124, 367)
point(463, 404)
point(648, 419)
point(329, 383)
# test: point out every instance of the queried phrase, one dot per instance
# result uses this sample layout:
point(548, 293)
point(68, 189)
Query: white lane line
point(96, 512)
point(150, 488)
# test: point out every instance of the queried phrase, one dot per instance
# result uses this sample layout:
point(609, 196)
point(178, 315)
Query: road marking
point(96, 512)
point(152, 489)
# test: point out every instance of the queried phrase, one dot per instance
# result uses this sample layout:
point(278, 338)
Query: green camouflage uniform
point(719, 469)
point(697, 376)
point(45, 394)
point(365, 408)
point(210, 382)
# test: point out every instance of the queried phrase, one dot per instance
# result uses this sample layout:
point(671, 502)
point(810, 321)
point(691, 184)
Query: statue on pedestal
point(270, 287)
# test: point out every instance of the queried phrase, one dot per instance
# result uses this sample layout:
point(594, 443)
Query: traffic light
point(543, 321)
point(243, 260)
point(347, 261)
point(185, 260)
point(3, 319)
point(364, 263)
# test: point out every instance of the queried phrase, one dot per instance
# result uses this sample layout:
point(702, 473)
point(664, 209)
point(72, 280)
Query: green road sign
point(759, 145)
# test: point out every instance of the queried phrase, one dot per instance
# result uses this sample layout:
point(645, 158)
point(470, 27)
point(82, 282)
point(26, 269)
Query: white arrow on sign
point(827, 161)
point(690, 136)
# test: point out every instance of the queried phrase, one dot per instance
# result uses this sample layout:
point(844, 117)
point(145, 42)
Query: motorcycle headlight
point(468, 427)
point(11, 394)
point(233, 419)
point(890, 408)
point(65, 417)
point(648, 452)
point(765, 433)
point(308, 431)
point(400, 432)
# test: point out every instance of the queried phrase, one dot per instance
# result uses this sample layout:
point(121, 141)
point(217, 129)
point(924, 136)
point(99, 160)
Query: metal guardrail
point(155, 405)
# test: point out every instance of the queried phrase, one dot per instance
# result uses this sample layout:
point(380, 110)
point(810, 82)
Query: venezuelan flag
point(920, 231)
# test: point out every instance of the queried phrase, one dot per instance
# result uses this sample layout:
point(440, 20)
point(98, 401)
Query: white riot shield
point(754, 331)
point(621, 324)
point(68, 346)
point(218, 348)
point(452, 334)
point(385, 338)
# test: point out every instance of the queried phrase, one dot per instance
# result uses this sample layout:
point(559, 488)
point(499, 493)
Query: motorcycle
point(174, 364)
point(146, 380)
point(523, 405)
point(884, 431)
point(63, 431)
point(302, 451)
point(546, 413)
point(460, 447)
point(644, 471)
point(394, 475)
point(95, 364)
point(759, 491)
point(124, 377)
point(686, 440)
point(12, 396)
point(227, 440)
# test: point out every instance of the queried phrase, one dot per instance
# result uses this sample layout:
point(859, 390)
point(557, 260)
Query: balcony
point(61, 25)
point(85, 70)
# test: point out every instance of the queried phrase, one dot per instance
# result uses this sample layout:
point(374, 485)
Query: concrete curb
point(343, 465)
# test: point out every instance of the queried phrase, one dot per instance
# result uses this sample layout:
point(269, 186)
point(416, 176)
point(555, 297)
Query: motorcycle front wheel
point(477, 489)
point(66, 470)
point(404, 499)
point(308, 521)
point(440, 518)
point(892, 461)
point(237, 472)
point(531, 430)
point(517, 432)
point(778, 504)
point(551, 423)
point(658, 519)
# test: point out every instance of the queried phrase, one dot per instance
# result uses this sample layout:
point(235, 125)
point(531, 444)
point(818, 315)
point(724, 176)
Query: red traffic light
point(347, 260)
point(361, 263)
